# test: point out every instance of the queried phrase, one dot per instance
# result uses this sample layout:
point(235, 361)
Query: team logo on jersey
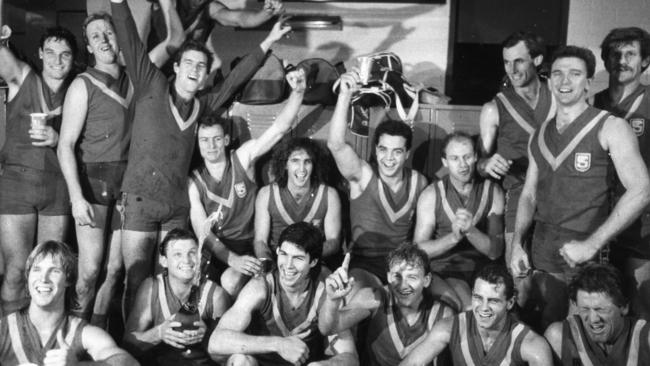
point(582, 162)
point(240, 189)
point(638, 125)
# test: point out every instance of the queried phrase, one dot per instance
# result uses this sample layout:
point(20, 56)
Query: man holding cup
point(34, 204)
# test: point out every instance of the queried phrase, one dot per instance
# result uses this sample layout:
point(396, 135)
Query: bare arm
point(332, 224)
point(435, 342)
point(490, 243)
point(254, 148)
point(11, 68)
point(425, 226)
point(342, 350)
point(553, 335)
point(139, 335)
point(262, 224)
point(198, 216)
point(102, 348)
point(161, 53)
point(242, 17)
point(353, 168)
point(334, 318)
point(535, 351)
point(490, 164)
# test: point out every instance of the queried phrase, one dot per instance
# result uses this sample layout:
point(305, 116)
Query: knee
point(14, 274)
point(114, 271)
point(233, 282)
point(241, 360)
point(88, 277)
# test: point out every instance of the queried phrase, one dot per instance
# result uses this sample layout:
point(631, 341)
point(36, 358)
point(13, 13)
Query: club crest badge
point(240, 189)
point(582, 162)
point(638, 126)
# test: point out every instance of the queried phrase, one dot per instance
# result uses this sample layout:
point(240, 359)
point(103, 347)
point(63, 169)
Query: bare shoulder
point(489, 114)
point(535, 349)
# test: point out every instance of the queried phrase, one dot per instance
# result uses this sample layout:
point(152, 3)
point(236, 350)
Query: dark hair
point(394, 128)
point(89, 19)
point(578, 52)
point(59, 33)
point(57, 249)
point(192, 45)
point(599, 278)
point(457, 136)
point(305, 236)
point(174, 235)
point(281, 155)
point(411, 254)
point(497, 274)
point(534, 43)
point(618, 37)
point(210, 120)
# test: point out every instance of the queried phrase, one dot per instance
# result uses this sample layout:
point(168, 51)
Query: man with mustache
point(626, 54)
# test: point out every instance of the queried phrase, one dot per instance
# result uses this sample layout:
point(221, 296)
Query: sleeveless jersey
point(574, 182)
point(467, 347)
point(164, 302)
point(229, 203)
point(270, 321)
point(462, 257)
point(284, 210)
point(630, 348)
point(517, 121)
point(34, 96)
point(381, 219)
point(390, 338)
point(20, 342)
point(106, 133)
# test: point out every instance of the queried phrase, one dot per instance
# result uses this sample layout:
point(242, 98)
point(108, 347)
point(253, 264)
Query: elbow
point(215, 346)
point(335, 146)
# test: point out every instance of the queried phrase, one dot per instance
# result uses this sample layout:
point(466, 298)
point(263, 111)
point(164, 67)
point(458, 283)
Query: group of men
point(553, 183)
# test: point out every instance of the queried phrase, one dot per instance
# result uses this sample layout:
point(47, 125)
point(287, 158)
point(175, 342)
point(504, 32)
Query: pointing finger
point(346, 262)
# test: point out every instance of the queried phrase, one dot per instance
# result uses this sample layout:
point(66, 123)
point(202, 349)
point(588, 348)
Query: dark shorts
point(374, 265)
point(635, 240)
point(28, 191)
point(101, 182)
point(460, 265)
point(144, 214)
point(212, 267)
point(510, 212)
point(545, 251)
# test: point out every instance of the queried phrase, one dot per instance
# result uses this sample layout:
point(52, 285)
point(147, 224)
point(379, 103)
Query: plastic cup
point(365, 63)
point(38, 120)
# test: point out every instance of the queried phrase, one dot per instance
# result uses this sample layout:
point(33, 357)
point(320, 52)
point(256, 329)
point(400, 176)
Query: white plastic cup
point(39, 120)
point(365, 63)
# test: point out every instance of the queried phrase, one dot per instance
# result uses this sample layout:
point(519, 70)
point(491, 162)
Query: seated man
point(222, 191)
point(297, 194)
point(460, 217)
point(488, 334)
point(171, 314)
point(42, 333)
point(275, 318)
point(600, 333)
point(399, 314)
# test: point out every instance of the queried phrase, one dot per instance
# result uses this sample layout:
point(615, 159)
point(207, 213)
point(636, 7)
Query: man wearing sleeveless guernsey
point(600, 333)
point(399, 315)
point(43, 333)
point(626, 54)
point(275, 318)
point(222, 191)
point(488, 334)
point(460, 217)
point(163, 137)
point(34, 204)
point(298, 194)
point(156, 330)
point(567, 184)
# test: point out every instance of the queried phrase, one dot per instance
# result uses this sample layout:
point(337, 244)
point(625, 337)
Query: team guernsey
point(277, 319)
point(106, 133)
point(383, 219)
point(34, 96)
point(466, 345)
point(229, 204)
point(517, 121)
point(630, 348)
point(635, 109)
point(390, 338)
point(284, 210)
point(164, 128)
point(462, 259)
point(20, 342)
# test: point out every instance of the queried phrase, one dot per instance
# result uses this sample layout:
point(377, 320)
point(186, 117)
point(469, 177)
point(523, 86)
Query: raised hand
point(61, 356)
point(280, 28)
point(339, 284)
point(45, 136)
point(349, 83)
point(497, 166)
point(245, 264)
point(297, 80)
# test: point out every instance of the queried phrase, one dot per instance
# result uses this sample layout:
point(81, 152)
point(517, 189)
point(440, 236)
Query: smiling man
point(163, 137)
point(568, 183)
point(43, 333)
point(399, 314)
point(601, 333)
point(297, 194)
point(626, 53)
point(488, 334)
point(275, 318)
point(460, 217)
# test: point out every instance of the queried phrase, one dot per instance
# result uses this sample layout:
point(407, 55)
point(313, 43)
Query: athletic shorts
point(547, 241)
point(512, 202)
point(212, 267)
point(144, 214)
point(375, 265)
point(460, 265)
point(27, 191)
point(635, 240)
point(101, 182)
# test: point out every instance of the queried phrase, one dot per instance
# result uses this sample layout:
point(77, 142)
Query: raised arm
point(425, 226)
point(161, 53)
point(243, 17)
point(490, 164)
point(435, 342)
point(351, 166)
point(12, 70)
point(75, 108)
point(332, 224)
point(254, 148)
point(617, 137)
